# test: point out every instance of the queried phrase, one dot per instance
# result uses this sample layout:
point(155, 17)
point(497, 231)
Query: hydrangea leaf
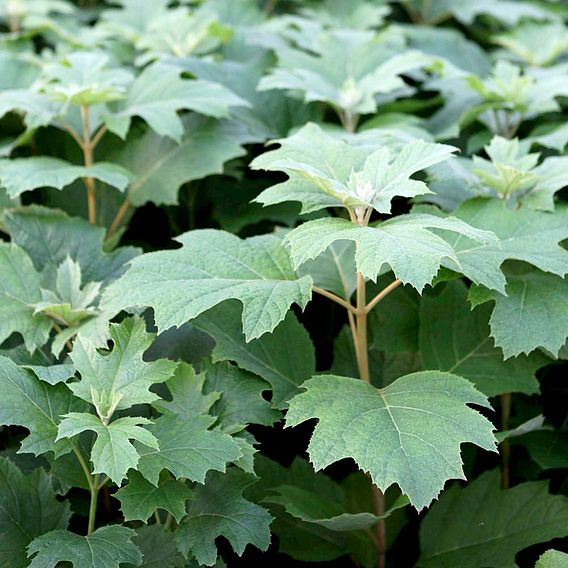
point(345, 69)
point(187, 448)
point(219, 509)
point(19, 175)
point(494, 524)
point(552, 559)
point(20, 288)
point(39, 110)
point(158, 548)
point(456, 339)
point(547, 448)
point(49, 236)
point(211, 267)
point(327, 171)
point(533, 313)
point(408, 433)
point(159, 93)
point(28, 509)
point(85, 78)
point(139, 498)
point(107, 547)
point(52, 374)
point(187, 394)
point(161, 166)
point(327, 513)
point(529, 236)
point(285, 358)
point(118, 379)
point(241, 400)
point(112, 454)
point(405, 243)
point(35, 405)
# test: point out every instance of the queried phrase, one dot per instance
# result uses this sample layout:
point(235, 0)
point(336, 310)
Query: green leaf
point(139, 498)
point(28, 509)
point(456, 339)
point(405, 243)
point(159, 93)
point(329, 514)
point(326, 171)
point(161, 166)
point(494, 524)
point(120, 378)
point(19, 290)
point(53, 374)
point(24, 174)
point(531, 315)
point(241, 400)
point(49, 236)
point(219, 509)
point(408, 433)
point(548, 448)
point(552, 559)
point(285, 358)
point(83, 78)
point(107, 547)
point(344, 68)
point(213, 266)
point(112, 454)
point(29, 402)
point(523, 234)
point(158, 548)
point(188, 398)
point(187, 448)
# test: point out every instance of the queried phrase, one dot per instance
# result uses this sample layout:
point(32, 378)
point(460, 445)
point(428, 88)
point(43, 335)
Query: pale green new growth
point(398, 434)
point(112, 454)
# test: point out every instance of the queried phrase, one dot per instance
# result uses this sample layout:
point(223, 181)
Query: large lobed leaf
point(408, 433)
point(211, 267)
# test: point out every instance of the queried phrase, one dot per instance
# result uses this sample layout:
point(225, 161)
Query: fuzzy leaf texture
point(107, 547)
point(408, 433)
point(326, 171)
point(210, 267)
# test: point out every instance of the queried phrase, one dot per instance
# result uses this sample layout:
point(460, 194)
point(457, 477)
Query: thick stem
point(93, 505)
point(88, 148)
point(505, 446)
point(362, 354)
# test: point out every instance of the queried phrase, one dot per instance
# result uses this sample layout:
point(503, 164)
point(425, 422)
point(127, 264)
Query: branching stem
point(118, 217)
point(335, 298)
point(88, 153)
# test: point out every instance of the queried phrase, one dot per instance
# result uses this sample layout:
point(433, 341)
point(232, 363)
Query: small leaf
point(494, 524)
point(112, 454)
point(219, 509)
point(408, 433)
point(211, 267)
point(107, 547)
point(139, 498)
point(120, 373)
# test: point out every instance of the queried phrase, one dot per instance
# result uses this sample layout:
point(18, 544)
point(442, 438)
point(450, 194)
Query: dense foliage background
point(212, 213)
